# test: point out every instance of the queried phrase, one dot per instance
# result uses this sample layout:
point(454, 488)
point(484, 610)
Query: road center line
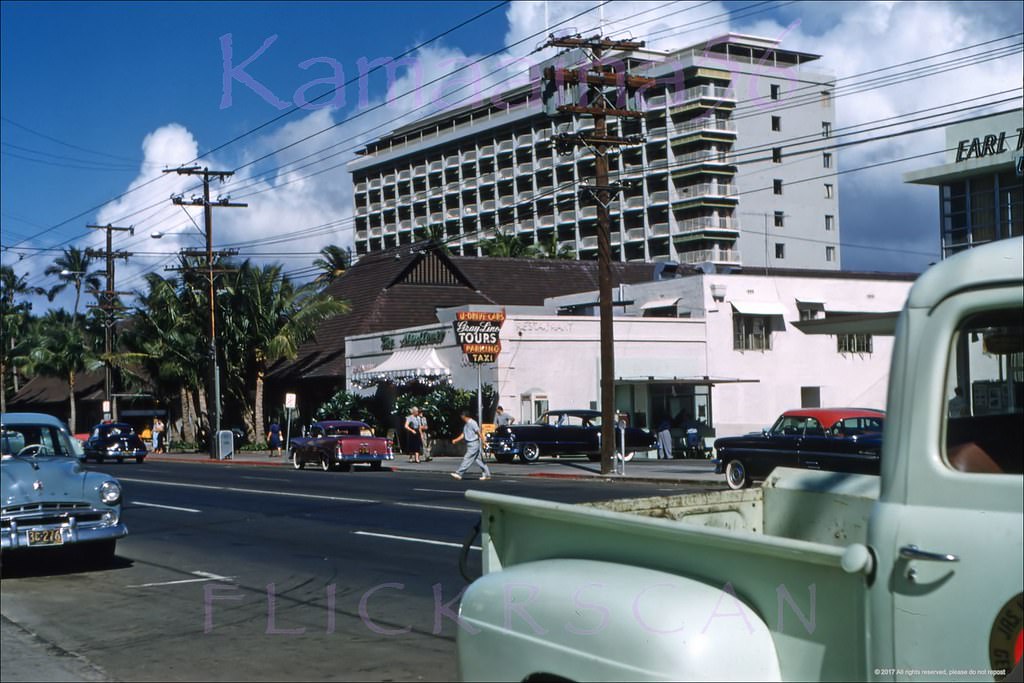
point(241, 490)
point(204, 576)
point(437, 507)
point(440, 490)
point(162, 507)
point(411, 539)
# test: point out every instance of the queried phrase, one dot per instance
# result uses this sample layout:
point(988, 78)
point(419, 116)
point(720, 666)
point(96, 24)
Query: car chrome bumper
point(16, 536)
point(363, 457)
point(719, 465)
point(502, 448)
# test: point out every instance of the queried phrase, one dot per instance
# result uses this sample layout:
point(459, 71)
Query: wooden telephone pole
point(108, 303)
point(208, 207)
point(599, 83)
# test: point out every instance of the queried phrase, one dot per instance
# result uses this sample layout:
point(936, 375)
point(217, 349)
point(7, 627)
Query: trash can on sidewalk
point(225, 444)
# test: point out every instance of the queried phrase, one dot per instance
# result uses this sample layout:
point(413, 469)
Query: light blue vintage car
point(48, 499)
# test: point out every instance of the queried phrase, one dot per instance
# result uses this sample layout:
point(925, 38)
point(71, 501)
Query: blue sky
point(132, 83)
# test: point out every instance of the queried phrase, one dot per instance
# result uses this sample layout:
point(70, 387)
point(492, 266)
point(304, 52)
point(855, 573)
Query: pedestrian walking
point(274, 440)
point(414, 443)
point(503, 419)
point(664, 436)
point(471, 435)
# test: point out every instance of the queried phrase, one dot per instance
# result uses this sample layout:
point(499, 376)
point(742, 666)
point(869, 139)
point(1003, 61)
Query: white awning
point(759, 307)
point(406, 365)
point(660, 303)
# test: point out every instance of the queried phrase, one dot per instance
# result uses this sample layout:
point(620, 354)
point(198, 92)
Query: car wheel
point(326, 465)
point(530, 452)
point(99, 459)
point(376, 465)
point(504, 458)
point(139, 458)
point(345, 467)
point(736, 475)
point(296, 463)
point(120, 461)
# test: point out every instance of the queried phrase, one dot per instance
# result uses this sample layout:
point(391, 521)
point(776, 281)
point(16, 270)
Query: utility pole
point(107, 302)
point(601, 82)
point(204, 202)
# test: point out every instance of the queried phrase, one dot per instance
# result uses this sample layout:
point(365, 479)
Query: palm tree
point(14, 316)
point(61, 350)
point(549, 249)
point(507, 245)
point(333, 265)
point(271, 317)
point(72, 267)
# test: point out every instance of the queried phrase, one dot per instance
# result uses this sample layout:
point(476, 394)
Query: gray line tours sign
point(479, 334)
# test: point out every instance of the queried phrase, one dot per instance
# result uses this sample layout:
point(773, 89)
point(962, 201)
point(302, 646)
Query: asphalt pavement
point(568, 467)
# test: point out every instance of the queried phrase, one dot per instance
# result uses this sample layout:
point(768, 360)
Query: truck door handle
point(912, 552)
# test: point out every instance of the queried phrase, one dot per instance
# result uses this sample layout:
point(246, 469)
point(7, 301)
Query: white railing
point(405, 174)
point(361, 187)
point(469, 156)
point(375, 183)
point(451, 162)
point(704, 156)
point(525, 169)
point(420, 170)
point(688, 192)
point(436, 166)
point(452, 214)
point(566, 216)
point(436, 217)
point(506, 146)
point(588, 212)
point(469, 210)
point(588, 242)
point(405, 225)
point(375, 207)
point(707, 92)
point(487, 179)
point(506, 201)
point(656, 101)
point(526, 224)
point(420, 222)
point(635, 235)
point(487, 151)
point(703, 123)
point(361, 234)
point(660, 229)
point(659, 197)
point(451, 188)
point(703, 223)
point(506, 173)
point(524, 140)
point(713, 255)
point(547, 221)
point(545, 162)
point(525, 196)
point(634, 203)
point(488, 205)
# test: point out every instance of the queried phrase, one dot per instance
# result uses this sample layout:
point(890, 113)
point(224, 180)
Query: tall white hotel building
point(735, 168)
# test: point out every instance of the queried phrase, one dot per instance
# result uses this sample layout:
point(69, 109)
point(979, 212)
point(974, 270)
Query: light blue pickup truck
point(916, 574)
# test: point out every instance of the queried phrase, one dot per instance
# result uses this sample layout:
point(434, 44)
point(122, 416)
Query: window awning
point(404, 366)
point(759, 307)
point(881, 324)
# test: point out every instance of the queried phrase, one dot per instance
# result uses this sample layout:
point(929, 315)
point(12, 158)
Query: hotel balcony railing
point(376, 232)
point(635, 235)
point(525, 169)
point(420, 196)
point(487, 179)
point(689, 192)
point(566, 188)
point(451, 162)
point(451, 188)
point(375, 183)
point(506, 173)
point(506, 201)
point(390, 178)
point(405, 225)
point(526, 224)
point(420, 170)
point(361, 234)
point(567, 216)
point(706, 223)
point(659, 197)
point(405, 174)
point(506, 146)
point(469, 210)
point(633, 203)
point(547, 221)
point(703, 123)
point(632, 169)
point(657, 132)
point(487, 151)
point(704, 156)
point(435, 191)
point(588, 242)
point(469, 156)
point(375, 207)
point(453, 214)
point(488, 206)
point(656, 102)
point(361, 187)
point(545, 162)
point(361, 210)
point(660, 229)
point(420, 222)
point(524, 140)
point(713, 255)
point(469, 183)
point(436, 166)
point(436, 217)
point(545, 189)
point(588, 212)
point(706, 92)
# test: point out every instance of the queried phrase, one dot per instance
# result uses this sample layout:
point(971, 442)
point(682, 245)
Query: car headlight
point(110, 492)
point(114, 447)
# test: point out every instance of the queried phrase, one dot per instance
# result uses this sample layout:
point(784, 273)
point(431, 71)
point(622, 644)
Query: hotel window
point(828, 190)
point(780, 250)
point(776, 89)
point(826, 159)
point(830, 222)
point(826, 98)
point(780, 219)
point(854, 343)
point(830, 254)
point(776, 123)
point(826, 129)
point(751, 332)
point(777, 185)
point(777, 155)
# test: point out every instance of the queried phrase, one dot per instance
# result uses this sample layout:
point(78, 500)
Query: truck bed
point(775, 548)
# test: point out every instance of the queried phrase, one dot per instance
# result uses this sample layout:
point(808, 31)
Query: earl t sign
point(478, 333)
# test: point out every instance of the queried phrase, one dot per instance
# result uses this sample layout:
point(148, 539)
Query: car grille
point(49, 513)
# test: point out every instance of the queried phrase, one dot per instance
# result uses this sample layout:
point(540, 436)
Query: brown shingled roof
point(404, 287)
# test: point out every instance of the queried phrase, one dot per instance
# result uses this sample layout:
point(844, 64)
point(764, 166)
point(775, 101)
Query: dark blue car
point(116, 441)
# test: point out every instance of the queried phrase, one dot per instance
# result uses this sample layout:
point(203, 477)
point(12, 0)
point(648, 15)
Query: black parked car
point(116, 440)
point(832, 439)
point(561, 432)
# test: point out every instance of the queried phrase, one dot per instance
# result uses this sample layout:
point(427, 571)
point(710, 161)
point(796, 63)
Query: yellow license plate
point(45, 537)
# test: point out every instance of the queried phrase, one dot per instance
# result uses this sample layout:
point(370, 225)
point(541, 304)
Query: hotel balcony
point(545, 163)
point(361, 235)
point(658, 198)
point(435, 191)
point(715, 93)
point(361, 187)
point(451, 188)
point(361, 210)
point(547, 221)
point(635, 203)
point(524, 196)
point(706, 224)
point(469, 183)
point(635, 235)
point(506, 201)
point(469, 156)
point(524, 140)
point(487, 179)
point(722, 256)
point(436, 166)
point(488, 206)
point(405, 174)
point(702, 124)
point(704, 156)
point(405, 225)
point(375, 183)
point(567, 216)
point(376, 232)
point(660, 229)
point(506, 173)
point(506, 146)
point(588, 213)
point(656, 102)
point(526, 225)
point(375, 207)
point(420, 170)
point(525, 169)
point(487, 151)
point(690, 193)
point(420, 197)
point(453, 214)
point(436, 217)
point(420, 222)
point(451, 162)
point(390, 178)
point(469, 210)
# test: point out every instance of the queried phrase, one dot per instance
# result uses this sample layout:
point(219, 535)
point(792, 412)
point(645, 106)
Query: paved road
point(235, 572)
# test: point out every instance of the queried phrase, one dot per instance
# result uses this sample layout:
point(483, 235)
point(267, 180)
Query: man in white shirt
point(471, 435)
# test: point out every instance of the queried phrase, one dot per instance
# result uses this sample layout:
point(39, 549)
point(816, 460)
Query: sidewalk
point(651, 470)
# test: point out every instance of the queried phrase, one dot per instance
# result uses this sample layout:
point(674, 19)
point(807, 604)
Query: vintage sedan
point(339, 444)
point(832, 439)
point(115, 440)
point(48, 499)
point(561, 432)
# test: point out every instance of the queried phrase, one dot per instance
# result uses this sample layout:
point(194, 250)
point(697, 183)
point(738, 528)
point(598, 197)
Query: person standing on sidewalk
point(274, 440)
point(413, 442)
point(471, 435)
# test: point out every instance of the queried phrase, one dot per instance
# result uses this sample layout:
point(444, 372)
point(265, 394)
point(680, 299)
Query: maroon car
point(339, 444)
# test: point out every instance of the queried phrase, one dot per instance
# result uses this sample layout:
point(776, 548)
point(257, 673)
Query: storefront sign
point(479, 335)
point(988, 145)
